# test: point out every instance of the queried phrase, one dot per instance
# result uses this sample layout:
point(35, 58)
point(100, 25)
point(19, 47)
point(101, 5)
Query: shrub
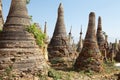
point(38, 34)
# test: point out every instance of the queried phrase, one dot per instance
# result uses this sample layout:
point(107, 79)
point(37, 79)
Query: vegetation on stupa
point(38, 34)
point(27, 1)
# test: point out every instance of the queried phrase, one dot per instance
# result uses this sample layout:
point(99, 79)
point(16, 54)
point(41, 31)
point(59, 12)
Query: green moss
point(38, 34)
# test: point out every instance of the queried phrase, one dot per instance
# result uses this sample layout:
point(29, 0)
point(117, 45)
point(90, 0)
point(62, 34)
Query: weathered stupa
point(101, 39)
point(18, 48)
point(80, 43)
point(1, 16)
point(59, 47)
point(100, 36)
point(90, 57)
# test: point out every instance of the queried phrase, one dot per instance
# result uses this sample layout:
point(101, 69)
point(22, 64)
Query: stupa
point(90, 57)
point(18, 48)
point(101, 39)
point(59, 49)
point(100, 36)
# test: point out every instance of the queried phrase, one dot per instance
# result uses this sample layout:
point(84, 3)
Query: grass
point(56, 75)
point(70, 74)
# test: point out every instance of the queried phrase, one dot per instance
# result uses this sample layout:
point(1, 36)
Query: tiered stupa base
point(19, 52)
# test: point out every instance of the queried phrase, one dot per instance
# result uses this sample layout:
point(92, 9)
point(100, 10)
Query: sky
point(76, 13)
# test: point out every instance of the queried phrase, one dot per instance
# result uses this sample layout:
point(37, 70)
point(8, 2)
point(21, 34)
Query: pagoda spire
point(90, 55)
point(70, 30)
point(80, 43)
point(70, 36)
point(99, 23)
point(60, 29)
point(45, 28)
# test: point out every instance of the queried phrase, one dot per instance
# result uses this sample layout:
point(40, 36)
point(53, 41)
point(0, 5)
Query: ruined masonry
point(1, 16)
point(90, 57)
point(59, 47)
point(18, 48)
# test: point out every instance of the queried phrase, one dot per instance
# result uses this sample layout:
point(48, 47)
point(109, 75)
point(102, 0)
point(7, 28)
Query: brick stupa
point(100, 36)
point(59, 47)
point(101, 39)
point(18, 48)
point(90, 57)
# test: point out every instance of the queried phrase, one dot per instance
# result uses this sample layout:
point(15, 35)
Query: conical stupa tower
point(18, 48)
point(100, 36)
point(18, 16)
point(80, 43)
point(90, 57)
point(101, 39)
point(1, 16)
point(59, 46)
point(60, 25)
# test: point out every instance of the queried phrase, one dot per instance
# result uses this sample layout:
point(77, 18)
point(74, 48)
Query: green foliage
point(0, 30)
point(90, 51)
point(27, 1)
point(8, 70)
point(7, 75)
point(31, 18)
point(89, 72)
point(54, 74)
point(109, 63)
point(38, 34)
point(1, 78)
point(42, 77)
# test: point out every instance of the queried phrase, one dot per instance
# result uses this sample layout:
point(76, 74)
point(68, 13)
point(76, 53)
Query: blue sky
point(76, 14)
